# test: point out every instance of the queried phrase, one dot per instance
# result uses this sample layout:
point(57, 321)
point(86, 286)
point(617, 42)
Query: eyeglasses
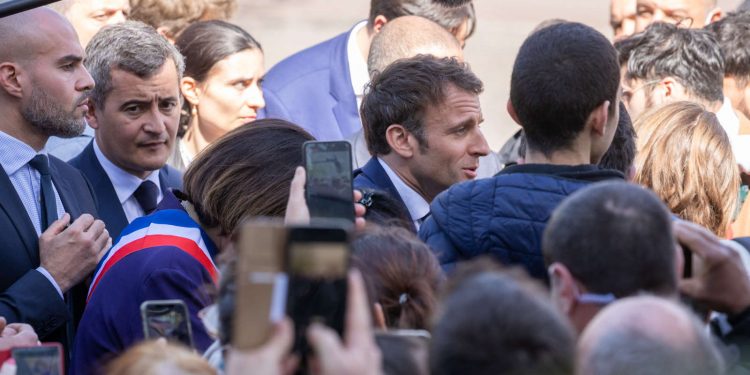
point(627, 93)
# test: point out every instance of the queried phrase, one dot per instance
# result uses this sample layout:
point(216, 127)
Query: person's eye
point(101, 17)
point(241, 85)
point(132, 109)
point(645, 12)
point(68, 67)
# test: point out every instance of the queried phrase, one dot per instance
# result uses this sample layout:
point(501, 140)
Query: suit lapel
point(345, 111)
point(110, 209)
point(17, 214)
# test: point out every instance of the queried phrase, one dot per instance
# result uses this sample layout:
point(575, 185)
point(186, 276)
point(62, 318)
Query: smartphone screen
point(329, 180)
point(168, 319)
point(317, 263)
point(43, 359)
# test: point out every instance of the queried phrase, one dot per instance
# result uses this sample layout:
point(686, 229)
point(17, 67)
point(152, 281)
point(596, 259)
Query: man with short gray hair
point(135, 110)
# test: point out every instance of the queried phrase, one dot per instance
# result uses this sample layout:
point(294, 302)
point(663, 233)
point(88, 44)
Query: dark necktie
point(146, 195)
point(49, 207)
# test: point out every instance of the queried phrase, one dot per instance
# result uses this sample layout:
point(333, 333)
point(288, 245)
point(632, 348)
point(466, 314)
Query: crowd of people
point(609, 235)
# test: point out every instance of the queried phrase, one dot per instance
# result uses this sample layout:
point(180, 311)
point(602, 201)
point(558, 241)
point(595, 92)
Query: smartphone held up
point(328, 189)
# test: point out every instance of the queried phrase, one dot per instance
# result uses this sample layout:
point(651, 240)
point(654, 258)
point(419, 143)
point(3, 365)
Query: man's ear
point(598, 118)
point(378, 23)
point(512, 112)
point(714, 15)
point(91, 115)
point(399, 139)
point(190, 90)
point(10, 80)
point(562, 287)
point(164, 31)
point(665, 90)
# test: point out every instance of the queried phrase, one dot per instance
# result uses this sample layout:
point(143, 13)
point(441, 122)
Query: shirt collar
point(728, 119)
point(357, 65)
point(14, 154)
point(124, 183)
point(415, 203)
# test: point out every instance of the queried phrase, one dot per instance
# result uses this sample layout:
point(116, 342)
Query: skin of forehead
point(29, 33)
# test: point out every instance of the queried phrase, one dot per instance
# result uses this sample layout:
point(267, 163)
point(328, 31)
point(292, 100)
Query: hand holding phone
point(168, 319)
point(328, 188)
point(718, 279)
point(317, 261)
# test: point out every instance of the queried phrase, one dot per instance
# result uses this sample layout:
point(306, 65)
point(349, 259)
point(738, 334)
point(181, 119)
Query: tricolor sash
point(173, 228)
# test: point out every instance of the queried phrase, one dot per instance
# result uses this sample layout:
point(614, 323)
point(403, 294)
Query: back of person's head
point(562, 73)
point(401, 274)
point(733, 35)
point(154, 358)
point(384, 210)
point(690, 56)
point(245, 173)
point(171, 17)
point(491, 322)
point(621, 153)
point(648, 336)
point(204, 44)
point(703, 181)
point(409, 36)
point(132, 47)
point(613, 237)
point(403, 353)
point(450, 17)
point(625, 47)
point(402, 92)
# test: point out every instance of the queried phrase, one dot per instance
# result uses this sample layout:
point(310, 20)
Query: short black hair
point(621, 153)
point(733, 35)
point(691, 56)
point(625, 46)
point(492, 323)
point(561, 74)
point(404, 90)
point(614, 237)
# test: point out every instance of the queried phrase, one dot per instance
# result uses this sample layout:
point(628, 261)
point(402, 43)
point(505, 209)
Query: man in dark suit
point(421, 118)
point(321, 88)
point(51, 241)
point(135, 111)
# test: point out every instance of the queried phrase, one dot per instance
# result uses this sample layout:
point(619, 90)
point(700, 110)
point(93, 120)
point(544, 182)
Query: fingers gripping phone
point(317, 261)
point(167, 318)
point(328, 190)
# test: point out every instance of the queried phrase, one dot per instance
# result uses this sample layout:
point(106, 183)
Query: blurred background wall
point(287, 26)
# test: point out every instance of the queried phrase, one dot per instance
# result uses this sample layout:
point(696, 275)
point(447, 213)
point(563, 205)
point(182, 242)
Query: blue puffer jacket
point(504, 216)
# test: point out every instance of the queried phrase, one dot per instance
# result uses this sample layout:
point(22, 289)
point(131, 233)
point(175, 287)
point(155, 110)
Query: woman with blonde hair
point(685, 157)
point(154, 357)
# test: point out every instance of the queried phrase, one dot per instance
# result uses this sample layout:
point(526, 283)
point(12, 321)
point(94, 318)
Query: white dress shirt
point(731, 124)
point(125, 185)
point(357, 65)
point(15, 157)
point(415, 203)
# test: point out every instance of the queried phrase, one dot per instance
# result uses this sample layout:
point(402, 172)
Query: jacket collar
point(583, 172)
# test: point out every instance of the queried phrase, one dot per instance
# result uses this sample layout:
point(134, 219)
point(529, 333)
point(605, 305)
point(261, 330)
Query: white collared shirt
point(125, 185)
point(15, 157)
point(415, 203)
point(357, 65)
point(731, 124)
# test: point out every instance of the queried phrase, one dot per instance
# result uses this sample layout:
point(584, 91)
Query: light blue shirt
point(415, 203)
point(68, 148)
point(126, 184)
point(15, 157)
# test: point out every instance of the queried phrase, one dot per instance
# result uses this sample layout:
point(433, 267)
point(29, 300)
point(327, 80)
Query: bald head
point(27, 34)
point(646, 335)
point(408, 36)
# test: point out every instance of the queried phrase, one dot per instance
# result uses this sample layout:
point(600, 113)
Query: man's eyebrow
point(69, 59)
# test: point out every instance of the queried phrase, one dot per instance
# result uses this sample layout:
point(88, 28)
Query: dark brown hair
point(401, 273)
point(404, 90)
point(203, 44)
point(245, 173)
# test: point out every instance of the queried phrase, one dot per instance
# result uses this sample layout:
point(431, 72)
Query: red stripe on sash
point(182, 243)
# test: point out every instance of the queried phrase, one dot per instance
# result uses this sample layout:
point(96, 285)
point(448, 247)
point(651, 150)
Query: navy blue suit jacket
point(110, 209)
point(26, 295)
point(373, 176)
point(313, 89)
